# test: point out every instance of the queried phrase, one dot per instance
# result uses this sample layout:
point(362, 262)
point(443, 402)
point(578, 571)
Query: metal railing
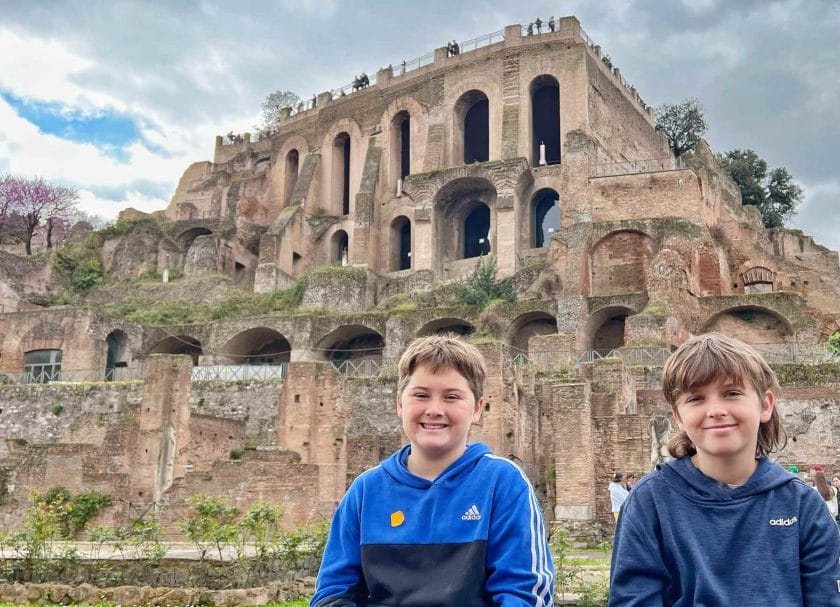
point(546, 361)
point(407, 66)
point(240, 372)
point(482, 41)
point(365, 366)
point(54, 374)
point(632, 167)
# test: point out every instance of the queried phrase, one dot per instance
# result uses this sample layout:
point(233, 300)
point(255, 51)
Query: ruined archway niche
point(400, 145)
point(472, 120)
point(339, 247)
point(341, 151)
point(765, 330)
point(202, 256)
point(545, 119)
point(178, 344)
point(352, 342)
point(605, 329)
point(117, 357)
point(258, 346)
point(544, 216)
point(619, 262)
point(441, 326)
point(400, 244)
point(758, 279)
point(530, 325)
point(464, 222)
point(291, 171)
point(187, 238)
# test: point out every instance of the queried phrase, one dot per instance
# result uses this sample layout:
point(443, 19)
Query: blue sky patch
point(109, 131)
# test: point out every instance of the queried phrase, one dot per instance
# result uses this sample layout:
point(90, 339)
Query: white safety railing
point(240, 372)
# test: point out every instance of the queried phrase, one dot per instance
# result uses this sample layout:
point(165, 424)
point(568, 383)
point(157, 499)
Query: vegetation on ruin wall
point(185, 312)
point(246, 548)
point(481, 287)
point(77, 266)
point(804, 374)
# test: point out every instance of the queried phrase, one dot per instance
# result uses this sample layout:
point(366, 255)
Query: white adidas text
point(783, 522)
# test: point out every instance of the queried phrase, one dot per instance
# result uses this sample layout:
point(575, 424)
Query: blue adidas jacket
point(472, 537)
point(683, 540)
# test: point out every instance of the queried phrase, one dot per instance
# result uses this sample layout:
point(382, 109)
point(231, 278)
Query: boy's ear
point(479, 407)
point(767, 405)
point(676, 415)
point(399, 406)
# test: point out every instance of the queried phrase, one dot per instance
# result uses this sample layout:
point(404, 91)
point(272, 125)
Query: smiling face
point(722, 419)
point(437, 410)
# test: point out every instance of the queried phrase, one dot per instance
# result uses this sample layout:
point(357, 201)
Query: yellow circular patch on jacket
point(397, 518)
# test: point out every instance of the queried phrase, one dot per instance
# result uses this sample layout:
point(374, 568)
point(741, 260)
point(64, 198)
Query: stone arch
point(351, 342)
point(339, 251)
point(187, 238)
point(764, 329)
point(178, 344)
point(464, 215)
point(472, 133)
point(280, 173)
point(619, 263)
point(257, 346)
point(400, 244)
point(544, 94)
point(528, 325)
point(605, 328)
point(341, 164)
point(291, 169)
point(459, 326)
point(393, 123)
point(544, 214)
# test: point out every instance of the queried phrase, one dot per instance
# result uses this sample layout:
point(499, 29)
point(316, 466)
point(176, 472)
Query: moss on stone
point(807, 374)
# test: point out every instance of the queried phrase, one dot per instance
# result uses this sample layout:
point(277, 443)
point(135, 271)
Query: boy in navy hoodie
point(440, 522)
point(722, 524)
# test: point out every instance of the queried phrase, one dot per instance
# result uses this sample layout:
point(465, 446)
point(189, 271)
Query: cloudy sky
point(117, 98)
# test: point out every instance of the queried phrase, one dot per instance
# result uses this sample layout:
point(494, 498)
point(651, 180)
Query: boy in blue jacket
point(722, 524)
point(440, 522)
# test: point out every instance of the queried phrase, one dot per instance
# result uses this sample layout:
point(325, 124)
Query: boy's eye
point(733, 393)
point(692, 398)
point(452, 396)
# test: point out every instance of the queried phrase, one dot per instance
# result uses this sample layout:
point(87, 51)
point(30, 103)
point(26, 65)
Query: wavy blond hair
point(711, 357)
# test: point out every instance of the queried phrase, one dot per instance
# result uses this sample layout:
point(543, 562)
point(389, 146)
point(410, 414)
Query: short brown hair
point(444, 352)
point(710, 357)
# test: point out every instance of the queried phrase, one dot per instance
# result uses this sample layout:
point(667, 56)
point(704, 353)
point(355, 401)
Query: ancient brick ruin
point(531, 148)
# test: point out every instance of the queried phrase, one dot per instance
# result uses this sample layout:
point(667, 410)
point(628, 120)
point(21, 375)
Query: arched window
point(41, 366)
point(477, 132)
point(178, 344)
point(545, 210)
point(401, 145)
point(341, 172)
point(545, 119)
point(400, 243)
point(340, 252)
point(477, 231)
point(292, 164)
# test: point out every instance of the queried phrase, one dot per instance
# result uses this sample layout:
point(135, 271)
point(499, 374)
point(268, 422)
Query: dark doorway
point(545, 119)
point(546, 213)
point(477, 132)
point(477, 232)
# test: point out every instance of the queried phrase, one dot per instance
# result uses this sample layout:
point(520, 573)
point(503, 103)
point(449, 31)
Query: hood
point(683, 477)
point(396, 467)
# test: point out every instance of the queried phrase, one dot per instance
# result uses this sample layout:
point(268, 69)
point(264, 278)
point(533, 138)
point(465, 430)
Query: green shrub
point(481, 287)
point(833, 344)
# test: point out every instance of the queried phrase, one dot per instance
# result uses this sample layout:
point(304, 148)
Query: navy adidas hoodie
point(685, 540)
point(472, 537)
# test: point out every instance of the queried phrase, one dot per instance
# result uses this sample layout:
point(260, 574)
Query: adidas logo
point(783, 522)
point(472, 514)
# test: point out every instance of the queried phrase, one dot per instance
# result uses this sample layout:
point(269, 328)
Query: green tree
point(272, 105)
point(773, 193)
point(212, 523)
point(683, 124)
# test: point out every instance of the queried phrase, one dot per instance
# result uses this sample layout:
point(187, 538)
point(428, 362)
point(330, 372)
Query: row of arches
point(605, 330)
point(472, 140)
